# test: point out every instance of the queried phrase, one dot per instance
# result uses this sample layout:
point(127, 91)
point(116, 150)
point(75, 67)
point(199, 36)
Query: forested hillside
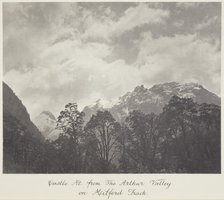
point(184, 138)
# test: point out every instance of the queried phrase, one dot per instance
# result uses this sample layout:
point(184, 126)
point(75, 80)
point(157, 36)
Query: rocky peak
point(140, 89)
point(154, 98)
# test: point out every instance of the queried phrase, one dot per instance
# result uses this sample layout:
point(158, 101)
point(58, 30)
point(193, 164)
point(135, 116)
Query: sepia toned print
point(111, 87)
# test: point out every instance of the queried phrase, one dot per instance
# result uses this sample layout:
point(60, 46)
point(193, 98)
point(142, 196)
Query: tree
point(190, 136)
point(22, 153)
point(70, 122)
point(176, 122)
point(104, 132)
point(142, 140)
point(91, 159)
point(125, 164)
point(210, 145)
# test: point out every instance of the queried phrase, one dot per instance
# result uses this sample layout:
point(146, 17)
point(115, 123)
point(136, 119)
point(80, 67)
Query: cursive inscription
point(135, 192)
point(108, 193)
point(131, 183)
point(161, 182)
point(57, 183)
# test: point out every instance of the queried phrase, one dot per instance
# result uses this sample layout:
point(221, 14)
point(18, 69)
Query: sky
point(56, 53)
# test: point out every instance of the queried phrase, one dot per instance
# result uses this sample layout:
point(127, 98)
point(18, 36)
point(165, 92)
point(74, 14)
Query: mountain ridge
point(147, 100)
point(153, 99)
point(13, 106)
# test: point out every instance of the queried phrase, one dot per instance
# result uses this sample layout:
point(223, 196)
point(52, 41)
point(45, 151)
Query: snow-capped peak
point(154, 98)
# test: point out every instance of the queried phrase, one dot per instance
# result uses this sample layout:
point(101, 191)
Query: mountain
point(46, 123)
point(91, 110)
point(53, 135)
point(153, 99)
point(13, 106)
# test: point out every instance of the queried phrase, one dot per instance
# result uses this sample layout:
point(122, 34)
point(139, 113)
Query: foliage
point(184, 138)
point(69, 144)
point(191, 137)
point(103, 131)
point(142, 140)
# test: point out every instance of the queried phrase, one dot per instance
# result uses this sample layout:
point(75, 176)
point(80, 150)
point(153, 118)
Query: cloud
point(205, 24)
point(133, 17)
point(59, 52)
point(72, 72)
point(187, 5)
point(28, 28)
point(138, 16)
point(178, 23)
point(182, 58)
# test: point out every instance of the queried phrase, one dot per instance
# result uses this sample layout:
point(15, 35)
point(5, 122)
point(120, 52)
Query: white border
point(184, 186)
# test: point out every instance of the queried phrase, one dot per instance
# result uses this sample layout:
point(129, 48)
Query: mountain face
point(154, 98)
point(46, 123)
point(14, 107)
point(92, 110)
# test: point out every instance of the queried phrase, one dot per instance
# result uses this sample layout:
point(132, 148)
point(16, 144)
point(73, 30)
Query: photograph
point(111, 88)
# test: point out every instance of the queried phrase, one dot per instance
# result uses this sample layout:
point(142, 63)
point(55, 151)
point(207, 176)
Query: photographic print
point(111, 87)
